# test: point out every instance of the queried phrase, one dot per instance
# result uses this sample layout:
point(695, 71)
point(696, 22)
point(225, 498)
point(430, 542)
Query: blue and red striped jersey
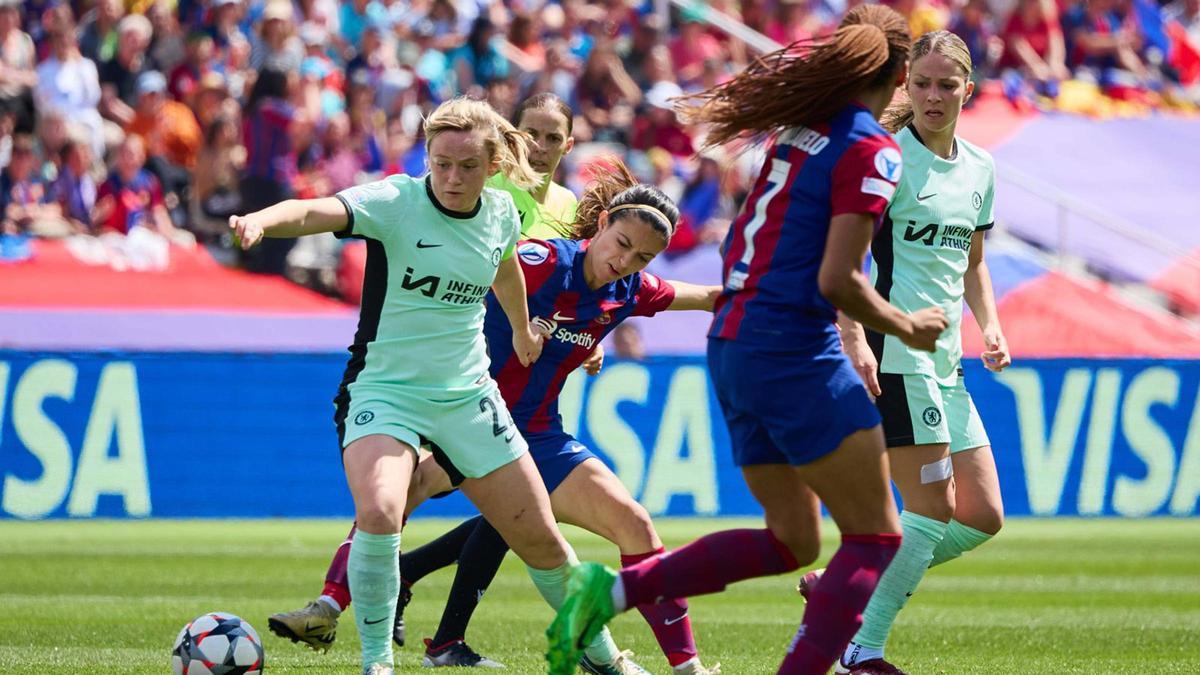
point(576, 317)
point(266, 135)
point(773, 252)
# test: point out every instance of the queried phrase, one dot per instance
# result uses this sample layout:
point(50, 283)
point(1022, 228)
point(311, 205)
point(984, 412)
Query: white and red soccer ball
point(217, 643)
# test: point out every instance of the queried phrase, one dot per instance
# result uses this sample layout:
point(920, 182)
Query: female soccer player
point(930, 252)
point(548, 209)
point(800, 422)
point(580, 291)
point(418, 368)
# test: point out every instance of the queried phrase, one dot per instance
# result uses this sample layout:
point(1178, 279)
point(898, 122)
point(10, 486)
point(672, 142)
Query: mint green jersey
point(427, 273)
point(921, 251)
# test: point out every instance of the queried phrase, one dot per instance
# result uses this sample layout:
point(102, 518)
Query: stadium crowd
point(131, 126)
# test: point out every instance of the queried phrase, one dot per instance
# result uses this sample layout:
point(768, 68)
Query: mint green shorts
point(470, 436)
point(916, 410)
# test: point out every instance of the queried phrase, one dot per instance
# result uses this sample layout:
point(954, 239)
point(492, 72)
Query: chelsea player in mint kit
point(418, 370)
point(929, 251)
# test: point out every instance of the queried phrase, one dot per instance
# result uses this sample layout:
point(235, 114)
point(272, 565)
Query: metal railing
point(1066, 205)
point(723, 21)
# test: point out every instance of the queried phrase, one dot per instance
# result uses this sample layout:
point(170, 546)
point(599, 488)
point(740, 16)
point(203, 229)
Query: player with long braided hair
point(801, 424)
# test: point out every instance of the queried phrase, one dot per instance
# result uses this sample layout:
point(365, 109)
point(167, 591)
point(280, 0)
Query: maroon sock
point(668, 619)
point(337, 583)
point(706, 565)
point(836, 604)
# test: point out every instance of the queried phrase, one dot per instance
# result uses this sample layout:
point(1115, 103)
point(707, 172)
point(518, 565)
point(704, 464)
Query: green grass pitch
point(1047, 596)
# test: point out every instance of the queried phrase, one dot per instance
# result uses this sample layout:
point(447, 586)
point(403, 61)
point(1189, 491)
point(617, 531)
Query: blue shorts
point(556, 454)
point(784, 406)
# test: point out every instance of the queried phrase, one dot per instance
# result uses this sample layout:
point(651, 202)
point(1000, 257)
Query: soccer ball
point(217, 643)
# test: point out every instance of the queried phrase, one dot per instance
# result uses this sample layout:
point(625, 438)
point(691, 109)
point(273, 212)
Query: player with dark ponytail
point(801, 424)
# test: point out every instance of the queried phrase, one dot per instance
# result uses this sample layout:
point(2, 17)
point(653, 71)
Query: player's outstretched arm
point(843, 283)
point(509, 287)
point(977, 291)
point(290, 218)
point(693, 296)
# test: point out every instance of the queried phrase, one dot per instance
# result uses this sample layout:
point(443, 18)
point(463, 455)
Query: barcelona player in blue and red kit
point(801, 424)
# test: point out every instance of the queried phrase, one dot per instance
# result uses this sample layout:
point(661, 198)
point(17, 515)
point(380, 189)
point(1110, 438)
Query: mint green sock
point(958, 540)
point(552, 584)
point(374, 583)
point(921, 535)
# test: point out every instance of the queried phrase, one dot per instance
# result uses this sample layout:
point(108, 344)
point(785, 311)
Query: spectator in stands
point(1187, 13)
point(75, 190)
point(365, 129)
point(1034, 46)
point(529, 52)
point(922, 16)
point(69, 84)
point(1183, 27)
point(354, 18)
point(692, 47)
point(1101, 45)
point(559, 76)
point(212, 99)
point(662, 173)
point(184, 80)
point(271, 165)
point(24, 204)
point(119, 75)
point(168, 44)
point(794, 20)
point(52, 133)
point(478, 63)
point(659, 127)
point(132, 198)
point(275, 41)
point(98, 31)
point(606, 95)
point(172, 138)
point(975, 26)
point(635, 52)
point(17, 75)
point(215, 179)
point(224, 27)
point(168, 128)
point(699, 203)
point(340, 160)
point(375, 56)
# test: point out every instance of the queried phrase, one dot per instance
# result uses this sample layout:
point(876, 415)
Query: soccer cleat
point(868, 667)
point(398, 627)
point(624, 665)
point(587, 607)
point(315, 625)
point(455, 654)
point(808, 582)
point(694, 667)
point(378, 669)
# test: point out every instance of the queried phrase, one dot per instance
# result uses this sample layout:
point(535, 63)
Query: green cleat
point(587, 607)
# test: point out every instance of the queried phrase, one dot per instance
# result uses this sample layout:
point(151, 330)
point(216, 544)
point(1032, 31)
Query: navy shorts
point(785, 406)
point(556, 454)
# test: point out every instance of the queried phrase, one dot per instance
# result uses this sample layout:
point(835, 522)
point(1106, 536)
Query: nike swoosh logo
point(421, 244)
point(371, 623)
point(921, 198)
point(508, 438)
point(669, 622)
point(560, 317)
